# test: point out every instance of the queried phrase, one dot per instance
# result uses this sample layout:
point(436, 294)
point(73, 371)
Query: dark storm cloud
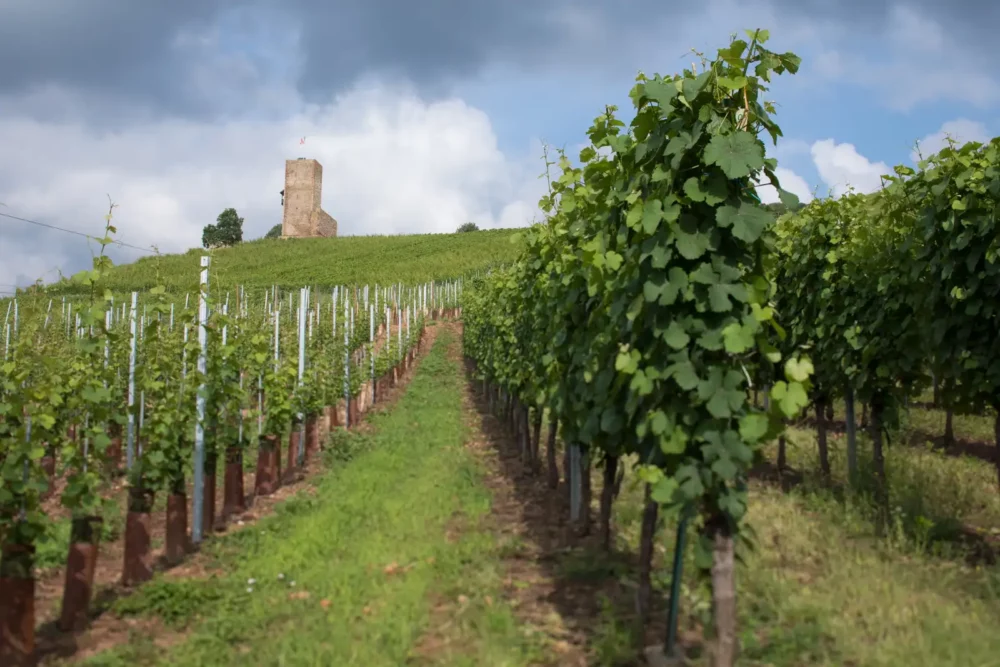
point(125, 47)
point(103, 44)
point(960, 17)
point(128, 47)
point(424, 41)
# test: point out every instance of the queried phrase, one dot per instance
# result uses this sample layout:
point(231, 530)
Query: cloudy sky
point(423, 114)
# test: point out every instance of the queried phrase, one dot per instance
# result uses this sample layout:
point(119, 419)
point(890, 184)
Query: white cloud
point(392, 163)
point(791, 182)
point(841, 166)
point(960, 130)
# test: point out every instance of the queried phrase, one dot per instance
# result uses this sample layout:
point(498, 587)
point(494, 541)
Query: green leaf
point(734, 52)
point(661, 92)
point(683, 374)
point(789, 397)
point(734, 504)
point(693, 87)
point(790, 200)
point(613, 260)
point(675, 443)
point(723, 392)
point(627, 361)
point(715, 188)
point(718, 406)
point(753, 427)
point(659, 422)
point(689, 478)
point(725, 469)
point(691, 245)
point(704, 275)
point(660, 257)
point(798, 370)
point(568, 203)
point(675, 336)
point(634, 308)
point(677, 283)
point(748, 221)
point(718, 298)
point(733, 83)
point(737, 154)
point(737, 338)
point(652, 213)
point(652, 289)
point(641, 383)
point(764, 314)
point(634, 215)
point(663, 491)
point(693, 190)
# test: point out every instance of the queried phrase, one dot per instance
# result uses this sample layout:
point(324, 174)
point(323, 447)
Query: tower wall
point(303, 214)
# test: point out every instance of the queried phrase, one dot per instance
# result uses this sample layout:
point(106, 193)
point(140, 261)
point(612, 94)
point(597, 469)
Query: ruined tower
point(304, 215)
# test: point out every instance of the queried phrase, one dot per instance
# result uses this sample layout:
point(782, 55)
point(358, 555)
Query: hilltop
point(320, 262)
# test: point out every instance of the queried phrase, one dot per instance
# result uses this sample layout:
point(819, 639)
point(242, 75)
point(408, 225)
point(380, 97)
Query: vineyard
point(664, 316)
point(668, 425)
point(165, 394)
point(292, 263)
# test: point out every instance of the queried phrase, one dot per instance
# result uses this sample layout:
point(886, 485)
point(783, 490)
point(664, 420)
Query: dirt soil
point(562, 605)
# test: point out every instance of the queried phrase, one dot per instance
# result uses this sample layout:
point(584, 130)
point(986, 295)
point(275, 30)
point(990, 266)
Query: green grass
point(52, 547)
point(390, 499)
point(932, 494)
point(293, 263)
point(820, 589)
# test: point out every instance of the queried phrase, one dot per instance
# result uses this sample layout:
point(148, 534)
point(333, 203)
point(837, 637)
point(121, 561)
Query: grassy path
point(353, 574)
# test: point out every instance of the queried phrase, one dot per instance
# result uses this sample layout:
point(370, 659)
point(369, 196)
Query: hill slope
point(322, 262)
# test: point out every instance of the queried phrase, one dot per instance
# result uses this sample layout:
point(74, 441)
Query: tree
point(227, 230)
point(468, 227)
point(274, 232)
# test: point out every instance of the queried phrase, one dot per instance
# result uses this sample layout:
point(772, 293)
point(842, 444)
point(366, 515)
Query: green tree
point(274, 232)
point(227, 230)
point(468, 227)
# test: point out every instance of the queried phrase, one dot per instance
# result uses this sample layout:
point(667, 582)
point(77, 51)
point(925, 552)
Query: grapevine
point(636, 310)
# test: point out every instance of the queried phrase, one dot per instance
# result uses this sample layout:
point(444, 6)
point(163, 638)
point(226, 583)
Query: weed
point(614, 640)
point(175, 602)
point(52, 547)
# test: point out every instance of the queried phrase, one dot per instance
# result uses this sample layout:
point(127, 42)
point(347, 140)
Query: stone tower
point(304, 215)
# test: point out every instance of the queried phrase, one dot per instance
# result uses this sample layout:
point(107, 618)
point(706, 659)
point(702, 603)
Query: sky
point(427, 114)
